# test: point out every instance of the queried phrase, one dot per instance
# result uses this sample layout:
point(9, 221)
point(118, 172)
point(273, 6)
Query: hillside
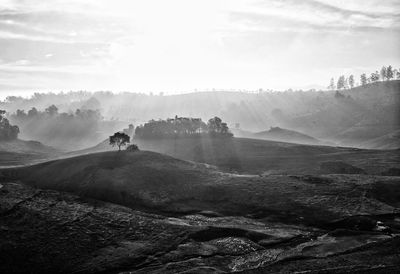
point(21, 152)
point(388, 141)
point(176, 216)
point(286, 135)
point(155, 180)
point(252, 156)
point(364, 113)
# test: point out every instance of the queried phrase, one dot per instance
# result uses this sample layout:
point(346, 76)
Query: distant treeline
point(52, 127)
point(183, 127)
point(7, 131)
point(385, 74)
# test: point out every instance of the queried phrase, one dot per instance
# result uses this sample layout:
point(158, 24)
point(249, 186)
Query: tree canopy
point(119, 139)
point(182, 127)
point(7, 131)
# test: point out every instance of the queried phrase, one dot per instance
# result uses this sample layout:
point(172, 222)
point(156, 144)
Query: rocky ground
point(56, 232)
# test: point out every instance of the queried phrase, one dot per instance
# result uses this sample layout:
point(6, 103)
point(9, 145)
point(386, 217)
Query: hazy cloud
point(179, 44)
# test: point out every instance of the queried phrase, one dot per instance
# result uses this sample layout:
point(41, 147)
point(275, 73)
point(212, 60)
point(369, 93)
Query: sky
point(180, 46)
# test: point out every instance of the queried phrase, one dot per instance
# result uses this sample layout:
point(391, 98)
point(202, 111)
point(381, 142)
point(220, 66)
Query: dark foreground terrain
point(144, 212)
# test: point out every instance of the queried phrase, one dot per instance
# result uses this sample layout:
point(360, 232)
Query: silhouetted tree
point(346, 83)
point(374, 77)
point(389, 73)
point(340, 82)
point(182, 127)
point(396, 73)
point(383, 73)
point(51, 110)
point(214, 125)
point(351, 81)
point(32, 112)
point(363, 79)
point(332, 84)
point(119, 139)
point(7, 131)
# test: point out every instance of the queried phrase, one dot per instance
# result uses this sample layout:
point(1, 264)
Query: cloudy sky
point(183, 45)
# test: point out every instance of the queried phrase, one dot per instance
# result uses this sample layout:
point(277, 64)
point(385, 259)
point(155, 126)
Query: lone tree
point(389, 72)
point(363, 79)
point(119, 139)
point(383, 73)
point(351, 81)
point(341, 82)
point(332, 85)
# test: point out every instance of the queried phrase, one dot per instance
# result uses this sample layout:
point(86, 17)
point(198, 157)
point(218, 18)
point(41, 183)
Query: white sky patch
point(179, 45)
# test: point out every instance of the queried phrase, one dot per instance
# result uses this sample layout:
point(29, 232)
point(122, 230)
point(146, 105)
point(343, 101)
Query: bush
point(132, 147)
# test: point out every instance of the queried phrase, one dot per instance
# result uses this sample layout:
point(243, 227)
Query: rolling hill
point(252, 156)
point(286, 135)
point(21, 152)
point(153, 180)
point(388, 141)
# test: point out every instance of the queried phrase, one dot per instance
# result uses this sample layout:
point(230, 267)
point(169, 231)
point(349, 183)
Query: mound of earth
point(252, 156)
point(286, 135)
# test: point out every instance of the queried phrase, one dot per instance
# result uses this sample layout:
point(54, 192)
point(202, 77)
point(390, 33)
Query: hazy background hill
point(20, 152)
point(350, 117)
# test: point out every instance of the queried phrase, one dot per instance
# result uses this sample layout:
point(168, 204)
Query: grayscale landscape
point(200, 136)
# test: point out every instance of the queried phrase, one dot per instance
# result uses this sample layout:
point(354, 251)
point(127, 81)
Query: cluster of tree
point(55, 128)
point(182, 127)
point(385, 74)
point(7, 131)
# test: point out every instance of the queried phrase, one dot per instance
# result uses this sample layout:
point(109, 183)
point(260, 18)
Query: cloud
point(193, 44)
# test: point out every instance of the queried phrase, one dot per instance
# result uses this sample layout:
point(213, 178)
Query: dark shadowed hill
point(155, 181)
point(265, 157)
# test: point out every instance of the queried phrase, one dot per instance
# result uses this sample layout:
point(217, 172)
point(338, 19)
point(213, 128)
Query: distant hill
point(255, 156)
point(387, 141)
point(21, 152)
point(286, 135)
point(361, 114)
